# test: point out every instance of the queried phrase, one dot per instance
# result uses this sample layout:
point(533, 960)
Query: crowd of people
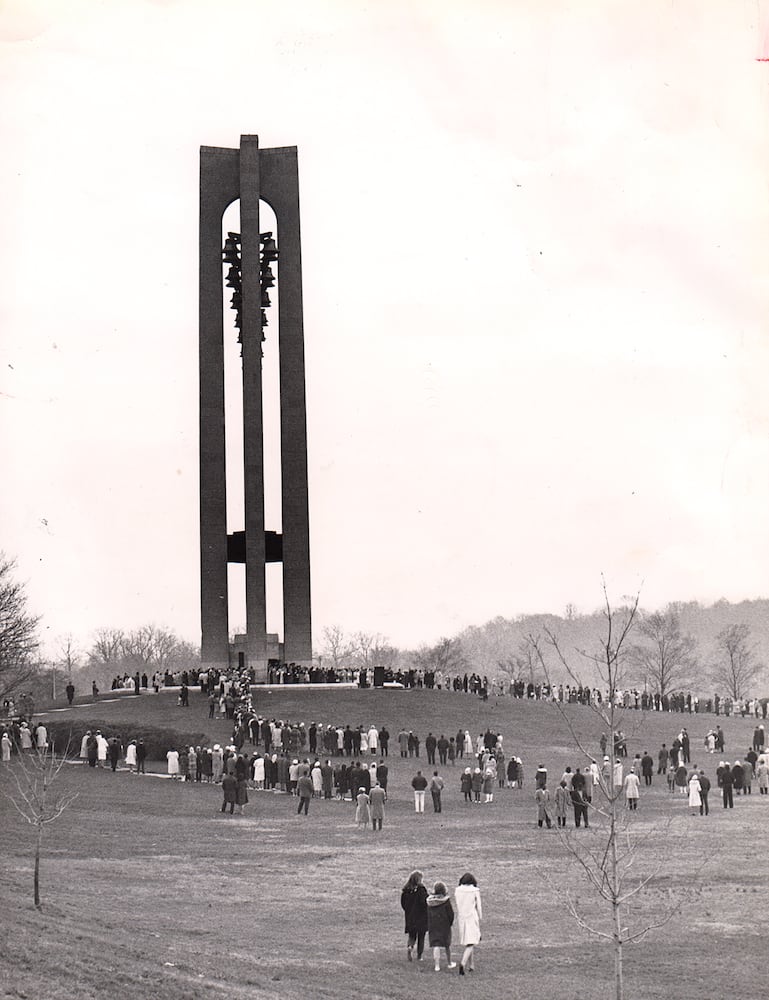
point(213, 681)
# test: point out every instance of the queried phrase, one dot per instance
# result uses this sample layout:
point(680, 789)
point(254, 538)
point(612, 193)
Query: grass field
point(149, 892)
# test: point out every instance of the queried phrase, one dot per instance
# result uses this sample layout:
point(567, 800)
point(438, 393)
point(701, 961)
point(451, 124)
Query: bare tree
point(737, 666)
point(337, 646)
point(607, 859)
point(523, 665)
point(372, 649)
point(445, 655)
point(667, 655)
point(383, 654)
point(18, 631)
point(35, 799)
point(107, 647)
point(69, 653)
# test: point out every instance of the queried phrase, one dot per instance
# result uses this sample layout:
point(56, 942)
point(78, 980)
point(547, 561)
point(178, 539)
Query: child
point(440, 917)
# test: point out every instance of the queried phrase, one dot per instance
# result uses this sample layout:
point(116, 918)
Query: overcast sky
point(536, 285)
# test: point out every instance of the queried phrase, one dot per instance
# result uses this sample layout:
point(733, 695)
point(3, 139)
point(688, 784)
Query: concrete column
point(218, 187)
point(280, 188)
point(253, 423)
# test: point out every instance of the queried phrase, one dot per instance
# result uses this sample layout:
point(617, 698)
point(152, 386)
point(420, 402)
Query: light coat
point(469, 913)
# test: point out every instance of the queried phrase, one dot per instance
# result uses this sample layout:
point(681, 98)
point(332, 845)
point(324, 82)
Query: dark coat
point(414, 904)
point(440, 917)
point(230, 788)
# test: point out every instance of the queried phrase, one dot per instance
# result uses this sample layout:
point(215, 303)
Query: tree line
point(664, 654)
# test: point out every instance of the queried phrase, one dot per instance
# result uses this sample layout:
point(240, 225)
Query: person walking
point(579, 801)
point(414, 906)
point(377, 797)
point(467, 897)
point(762, 773)
point(419, 784)
point(632, 790)
point(440, 917)
point(141, 756)
point(436, 787)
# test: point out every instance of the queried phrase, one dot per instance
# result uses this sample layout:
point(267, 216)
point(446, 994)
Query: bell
point(269, 250)
point(264, 318)
point(233, 281)
point(238, 323)
point(230, 257)
point(266, 300)
point(237, 298)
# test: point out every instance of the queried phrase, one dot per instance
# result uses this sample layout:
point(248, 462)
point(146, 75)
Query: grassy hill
point(149, 892)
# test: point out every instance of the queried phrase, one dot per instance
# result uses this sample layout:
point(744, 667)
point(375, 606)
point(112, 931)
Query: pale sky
point(536, 286)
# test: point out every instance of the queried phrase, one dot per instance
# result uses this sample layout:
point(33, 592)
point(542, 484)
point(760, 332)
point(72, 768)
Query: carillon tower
point(248, 263)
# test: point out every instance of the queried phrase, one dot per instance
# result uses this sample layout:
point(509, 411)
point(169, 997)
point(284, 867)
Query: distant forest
point(697, 632)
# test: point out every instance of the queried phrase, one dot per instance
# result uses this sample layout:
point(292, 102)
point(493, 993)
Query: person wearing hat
point(362, 809)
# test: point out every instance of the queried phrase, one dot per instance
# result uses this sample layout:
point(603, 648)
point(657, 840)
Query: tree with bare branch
point(337, 646)
point(446, 655)
point(30, 787)
point(607, 858)
point(737, 665)
point(666, 654)
point(18, 632)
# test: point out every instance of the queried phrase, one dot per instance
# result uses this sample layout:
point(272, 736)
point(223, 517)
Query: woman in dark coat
point(440, 917)
point(414, 905)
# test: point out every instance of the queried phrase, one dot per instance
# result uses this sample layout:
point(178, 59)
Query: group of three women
point(433, 914)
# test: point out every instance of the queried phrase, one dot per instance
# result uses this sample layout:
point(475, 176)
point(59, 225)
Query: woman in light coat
point(362, 810)
point(130, 756)
point(695, 799)
point(467, 896)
